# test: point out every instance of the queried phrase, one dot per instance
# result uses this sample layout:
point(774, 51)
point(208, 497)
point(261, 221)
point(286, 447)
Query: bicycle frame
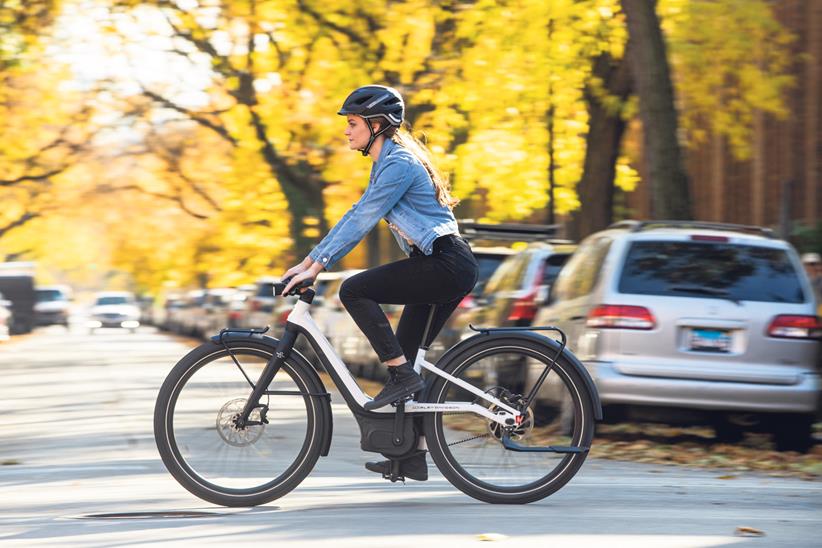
point(504, 415)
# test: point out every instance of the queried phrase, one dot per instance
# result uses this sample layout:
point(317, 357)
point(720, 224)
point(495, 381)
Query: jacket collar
point(387, 146)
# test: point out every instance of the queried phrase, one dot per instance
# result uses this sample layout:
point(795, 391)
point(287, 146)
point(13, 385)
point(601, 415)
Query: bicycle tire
point(443, 440)
point(182, 467)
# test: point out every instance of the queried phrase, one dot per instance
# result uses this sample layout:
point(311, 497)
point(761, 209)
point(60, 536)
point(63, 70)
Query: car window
point(711, 270)
point(219, 298)
point(509, 274)
point(553, 265)
point(579, 276)
point(49, 295)
point(114, 299)
point(488, 264)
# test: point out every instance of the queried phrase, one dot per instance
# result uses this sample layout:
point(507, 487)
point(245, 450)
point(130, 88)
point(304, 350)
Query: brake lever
point(280, 287)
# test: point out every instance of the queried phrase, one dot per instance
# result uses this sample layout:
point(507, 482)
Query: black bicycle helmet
point(375, 102)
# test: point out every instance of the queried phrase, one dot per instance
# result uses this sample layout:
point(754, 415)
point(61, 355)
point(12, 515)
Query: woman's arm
point(380, 196)
point(316, 253)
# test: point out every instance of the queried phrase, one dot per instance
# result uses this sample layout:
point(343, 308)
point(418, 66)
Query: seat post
point(425, 342)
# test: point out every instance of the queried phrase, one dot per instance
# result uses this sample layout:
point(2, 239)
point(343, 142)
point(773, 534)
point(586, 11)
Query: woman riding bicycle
point(413, 197)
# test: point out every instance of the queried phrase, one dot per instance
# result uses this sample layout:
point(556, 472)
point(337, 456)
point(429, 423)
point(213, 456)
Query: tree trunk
point(302, 186)
point(649, 66)
point(605, 130)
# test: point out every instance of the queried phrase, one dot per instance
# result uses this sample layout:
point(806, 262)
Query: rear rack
point(638, 226)
point(512, 232)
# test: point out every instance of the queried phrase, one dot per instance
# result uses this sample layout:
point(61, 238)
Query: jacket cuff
point(318, 257)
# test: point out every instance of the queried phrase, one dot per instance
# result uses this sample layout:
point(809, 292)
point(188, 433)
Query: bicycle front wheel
point(202, 447)
point(467, 448)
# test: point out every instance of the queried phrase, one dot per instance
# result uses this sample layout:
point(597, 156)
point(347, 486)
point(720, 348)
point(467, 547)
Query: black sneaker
point(413, 467)
point(403, 381)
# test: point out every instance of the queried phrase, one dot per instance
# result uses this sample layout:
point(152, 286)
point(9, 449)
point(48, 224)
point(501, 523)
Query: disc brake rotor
point(520, 431)
point(227, 424)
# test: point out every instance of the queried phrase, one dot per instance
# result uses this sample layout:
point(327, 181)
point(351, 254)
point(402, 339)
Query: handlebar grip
point(279, 287)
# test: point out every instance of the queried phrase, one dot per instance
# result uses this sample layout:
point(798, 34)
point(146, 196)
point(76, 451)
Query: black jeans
point(442, 278)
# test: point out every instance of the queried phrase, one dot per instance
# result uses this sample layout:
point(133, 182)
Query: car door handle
point(576, 318)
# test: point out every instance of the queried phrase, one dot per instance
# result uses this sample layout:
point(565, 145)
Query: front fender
point(539, 339)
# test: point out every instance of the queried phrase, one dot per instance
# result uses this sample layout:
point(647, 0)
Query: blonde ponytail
point(442, 187)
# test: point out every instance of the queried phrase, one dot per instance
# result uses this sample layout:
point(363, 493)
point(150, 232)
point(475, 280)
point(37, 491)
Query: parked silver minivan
point(694, 321)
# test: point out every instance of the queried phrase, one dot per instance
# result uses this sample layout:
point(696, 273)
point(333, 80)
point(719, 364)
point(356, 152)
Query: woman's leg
point(415, 282)
point(412, 324)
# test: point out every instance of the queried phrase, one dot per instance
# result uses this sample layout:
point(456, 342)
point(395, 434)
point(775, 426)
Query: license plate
point(710, 340)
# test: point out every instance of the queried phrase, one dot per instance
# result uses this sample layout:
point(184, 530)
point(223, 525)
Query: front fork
point(282, 353)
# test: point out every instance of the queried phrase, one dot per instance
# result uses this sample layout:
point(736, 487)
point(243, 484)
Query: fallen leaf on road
point(490, 536)
point(749, 532)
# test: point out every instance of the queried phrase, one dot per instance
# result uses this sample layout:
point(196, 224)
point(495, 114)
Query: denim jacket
point(399, 190)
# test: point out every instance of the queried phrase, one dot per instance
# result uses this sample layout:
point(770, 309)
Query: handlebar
point(280, 286)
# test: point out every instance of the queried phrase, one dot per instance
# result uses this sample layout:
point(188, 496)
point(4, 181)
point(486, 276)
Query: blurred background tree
point(195, 142)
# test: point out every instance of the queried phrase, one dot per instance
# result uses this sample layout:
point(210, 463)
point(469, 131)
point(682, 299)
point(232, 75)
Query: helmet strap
point(374, 136)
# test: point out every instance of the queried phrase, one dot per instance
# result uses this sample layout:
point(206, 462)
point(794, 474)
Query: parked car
point(17, 284)
point(486, 240)
point(167, 316)
point(211, 316)
point(260, 306)
point(114, 309)
point(5, 318)
point(147, 310)
point(235, 309)
point(690, 321)
point(52, 305)
point(190, 312)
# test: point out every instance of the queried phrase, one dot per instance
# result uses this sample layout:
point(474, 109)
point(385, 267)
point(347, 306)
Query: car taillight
point(793, 326)
point(524, 308)
point(235, 314)
point(467, 302)
point(620, 316)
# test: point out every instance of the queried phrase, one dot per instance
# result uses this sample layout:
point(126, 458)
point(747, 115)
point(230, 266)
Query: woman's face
point(356, 130)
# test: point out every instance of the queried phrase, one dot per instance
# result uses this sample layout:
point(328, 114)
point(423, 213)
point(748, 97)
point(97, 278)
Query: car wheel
point(726, 431)
point(793, 432)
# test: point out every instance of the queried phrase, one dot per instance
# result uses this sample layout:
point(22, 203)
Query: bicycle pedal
point(393, 478)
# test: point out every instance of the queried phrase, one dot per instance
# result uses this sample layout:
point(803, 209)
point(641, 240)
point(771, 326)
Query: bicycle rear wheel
point(205, 451)
point(467, 448)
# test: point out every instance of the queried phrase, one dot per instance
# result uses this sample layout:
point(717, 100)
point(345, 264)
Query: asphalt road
point(76, 442)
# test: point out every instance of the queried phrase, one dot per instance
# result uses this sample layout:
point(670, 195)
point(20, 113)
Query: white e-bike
point(507, 414)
